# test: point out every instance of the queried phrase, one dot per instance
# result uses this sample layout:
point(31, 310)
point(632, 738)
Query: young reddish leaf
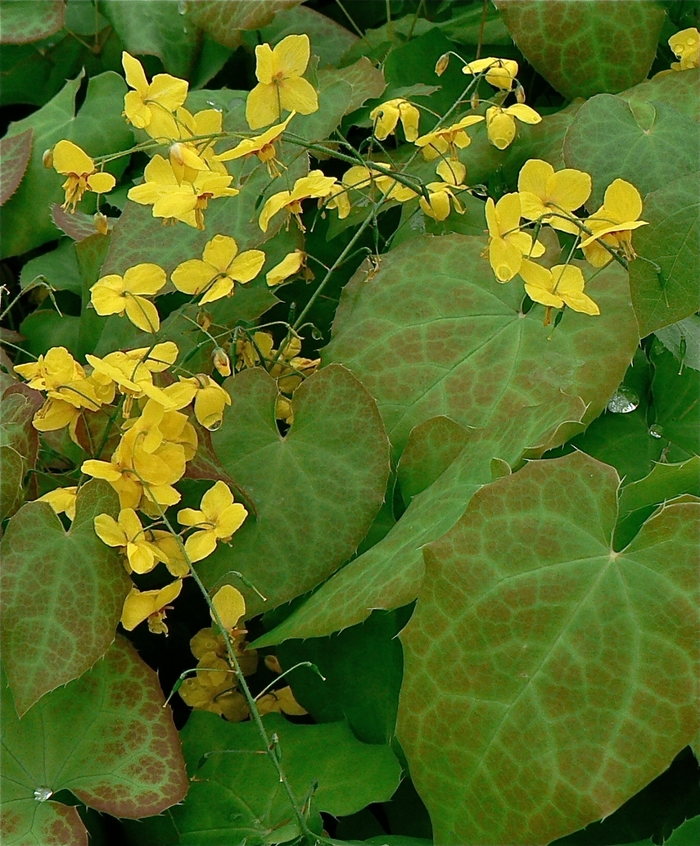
point(105, 737)
point(224, 20)
point(14, 152)
point(586, 48)
point(18, 444)
point(567, 670)
point(26, 21)
point(77, 225)
point(62, 594)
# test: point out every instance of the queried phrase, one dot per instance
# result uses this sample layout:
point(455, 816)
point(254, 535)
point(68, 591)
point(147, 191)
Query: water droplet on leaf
point(623, 401)
point(656, 431)
point(41, 794)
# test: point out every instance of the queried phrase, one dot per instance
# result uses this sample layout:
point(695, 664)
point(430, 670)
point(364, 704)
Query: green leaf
point(683, 340)
point(59, 268)
point(237, 795)
point(156, 28)
point(46, 328)
point(566, 670)
point(583, 49)
point(647, 144)
point(62, 594)
point(432, 446)
point(639, 499)
point(98, 128)
point(678, 89)
point(676, 401)
point(225, 19)
point(671, 241)
point(18, 444)
point(25, 20)
point(389, 574)
point(687, 834)
point(316, 490)
point(433, 332)
point(15, 152)
point(362, 667)
point(105, 737)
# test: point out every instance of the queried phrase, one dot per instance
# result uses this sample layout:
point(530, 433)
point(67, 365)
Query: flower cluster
point(551, 198)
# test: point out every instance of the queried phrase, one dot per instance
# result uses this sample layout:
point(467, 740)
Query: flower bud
point(47, 158)
point(442, 63)
point(519, 93)
point(272, 663)
point(101, 223)
point(221, 362)
point(204, 320)
point(474, 100)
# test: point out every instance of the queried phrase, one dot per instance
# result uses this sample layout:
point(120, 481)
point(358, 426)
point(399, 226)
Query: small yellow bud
point(442, 63)
point(204, 320)
point(101, 223)
point(47, 158)
point(474, 100)
point(221, 362)
point(519, 93)
point(272, 663)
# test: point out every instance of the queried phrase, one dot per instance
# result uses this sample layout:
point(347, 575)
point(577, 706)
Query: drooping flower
point(686, 46)
point(280, 701)
point(57, 367)
point(127, 533)
point(217, 520)
point(508, 245)
point(387, 115)
point(114, 294)
point(150, 605)
point(613, 223)
point(169, 546)
point(69, 160)
point(442, 198)
point(62, 500)
point(499, 72)
point(380, 184)
point(501, 126)
point(262, 146)
point(280, 84)
point(552, 197)
point(185, 201)
point(315, 185)
point(448, 139)
point(229, 605)
point(210, 399)
point(290, 265)
point(560, 286)
point(218, 270)
point(150, 106)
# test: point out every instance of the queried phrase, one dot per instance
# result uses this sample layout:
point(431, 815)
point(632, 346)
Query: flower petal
point(192, 276)
point(134, 73)
point(220, 252)
point(292, 55)
point(200, 545)
point(247, 265)
point(142, 313)
point(69, 158)
point(262, 106)
point(264, 64)
point(109, 531)
point(299, 95)
point(145, 279)
point(229, 604)
point(101, 183)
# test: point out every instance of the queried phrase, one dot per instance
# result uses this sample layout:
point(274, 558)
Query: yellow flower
point(613, 223)
point(499, 72)
point(69, 160)
point(500, 122)
point(549, 197)
point(114, 294)
point(184, 201)
point(229, 604)
point(262, 146)
point(252, 351)
point(150, 605)
point(280, 84)
point(218, 519)
point(50, 371)
point(218, 269)
point(151, 106)
point(127, 533)
point(386, 117)
point(315, 185)
point(686, 45)
point(280, 701)
point(440, 194)
point(209, 397)
point(132, 372)
point(172, 552)
point(62, 500)
point(290, 265)
point(448, 139)
point(507, 244)
point(555, 288)
point(221, 362)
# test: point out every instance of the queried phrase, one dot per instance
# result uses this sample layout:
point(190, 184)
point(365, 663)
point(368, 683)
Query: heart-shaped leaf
point(648, 144)
point(18, 444)
point(62, 594)
point(105, 737)
point(433, 332)
point(671, 241)
point(15, 152)
point(577, 47)
point(238, 792)
point(316, 490)
point(567, 670)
